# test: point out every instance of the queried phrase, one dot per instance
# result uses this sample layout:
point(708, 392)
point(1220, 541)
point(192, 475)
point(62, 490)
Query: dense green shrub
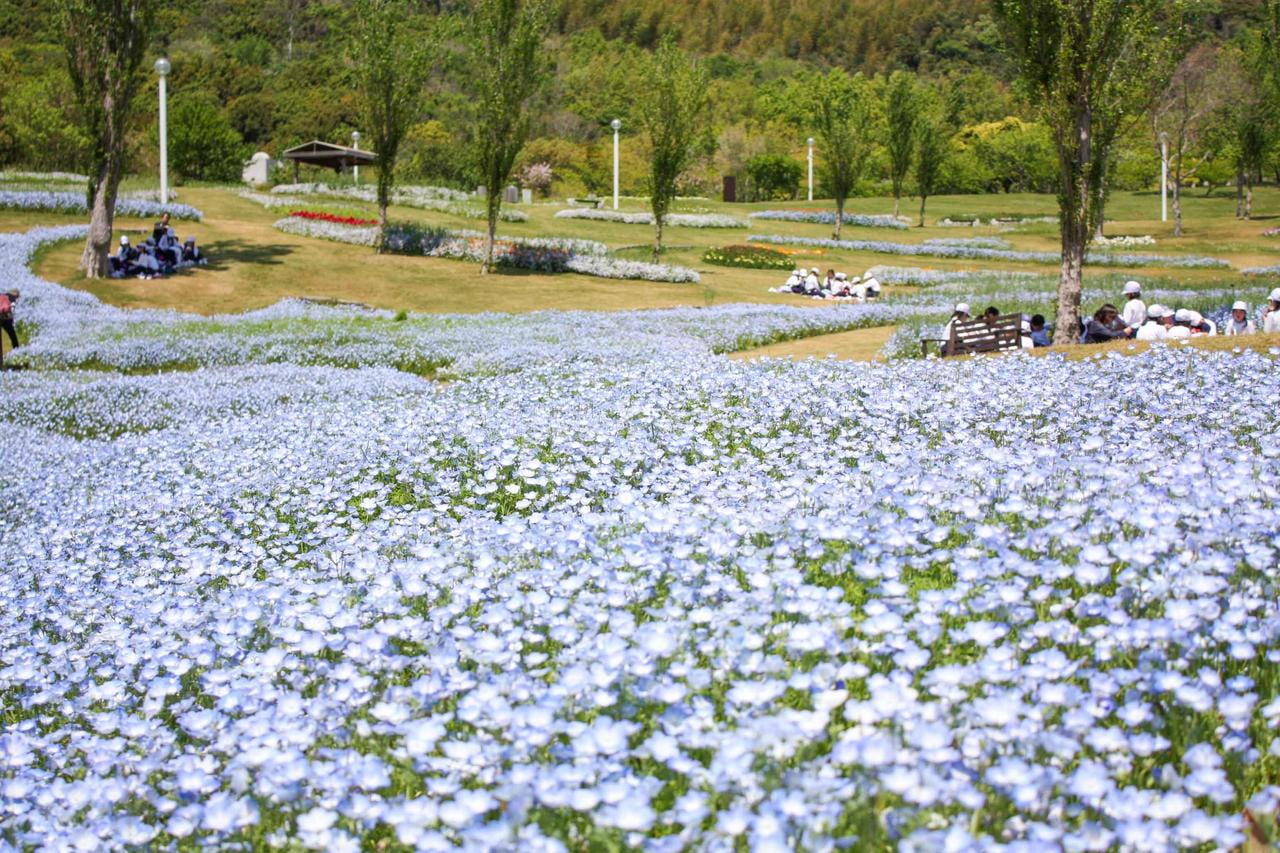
point(773, 177)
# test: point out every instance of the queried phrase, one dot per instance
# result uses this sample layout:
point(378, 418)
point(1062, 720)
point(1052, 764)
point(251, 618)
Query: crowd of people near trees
point(158, 255)
point(833, 285)
point(1134, 321)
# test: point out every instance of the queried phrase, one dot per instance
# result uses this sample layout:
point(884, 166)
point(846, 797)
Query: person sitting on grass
point(1039, 334)
point(871, 287)
point(1105, 326)
point(146, 264)
point(1135, 310)
point(1271, 314)
point(191, 254)
point(123, 263)
point(812, 285)
point(1181, 328)
point(157, 230)
point(1239, 324)
point(1153, 329)
point(168, 249)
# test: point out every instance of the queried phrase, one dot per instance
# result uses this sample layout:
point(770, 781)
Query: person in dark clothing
point(1039, 334)
point(991, 315)
point(1106, 326)
point(191, 253)
point(7, 303)
point(159, 229)
point(124, 261)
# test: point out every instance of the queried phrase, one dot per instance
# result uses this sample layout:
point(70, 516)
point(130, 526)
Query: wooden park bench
point(973, 336)
point(588, 201)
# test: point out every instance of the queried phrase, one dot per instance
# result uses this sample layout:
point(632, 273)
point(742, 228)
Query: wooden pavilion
point(340, 158)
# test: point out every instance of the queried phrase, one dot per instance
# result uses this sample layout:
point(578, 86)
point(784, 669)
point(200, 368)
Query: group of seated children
point(1034, 333)
point(834, 285)
point(1140, 322)
point(159, 255)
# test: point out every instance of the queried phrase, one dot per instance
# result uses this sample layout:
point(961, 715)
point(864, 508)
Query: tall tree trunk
point(491, 200)
point(1177, 197)
point(922, 200)
point(839, 217)
point(897, 197)
point(94, 261)
point(1248, 200)
point(657, 238)
point(1070, 280)
point(1240, 192)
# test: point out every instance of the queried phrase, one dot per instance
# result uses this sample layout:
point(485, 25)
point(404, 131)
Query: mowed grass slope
point(253, 265)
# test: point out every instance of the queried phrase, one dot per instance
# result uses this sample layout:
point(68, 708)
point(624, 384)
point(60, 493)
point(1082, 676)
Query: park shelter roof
point(336, 157)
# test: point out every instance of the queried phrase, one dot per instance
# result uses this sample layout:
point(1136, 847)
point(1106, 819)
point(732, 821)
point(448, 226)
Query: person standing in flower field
point(7, 301)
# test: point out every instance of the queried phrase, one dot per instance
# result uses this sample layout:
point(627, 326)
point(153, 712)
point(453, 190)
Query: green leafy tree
point(106, 44)
point(932, 148)
point(203, 145)
point(841, 109)
point(901, 111)
point(774, 176)
point(1088, 65)
point(39, 120)
point(671, 111)
point(390, 59)
point(505, 68)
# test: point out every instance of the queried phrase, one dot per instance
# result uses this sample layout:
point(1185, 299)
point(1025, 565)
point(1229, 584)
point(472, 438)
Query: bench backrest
point(980, 336)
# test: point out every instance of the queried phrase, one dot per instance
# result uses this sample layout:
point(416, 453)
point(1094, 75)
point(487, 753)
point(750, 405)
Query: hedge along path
point(855, 345)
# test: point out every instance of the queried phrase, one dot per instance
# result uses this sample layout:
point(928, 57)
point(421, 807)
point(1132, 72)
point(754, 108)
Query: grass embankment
point(253, 265)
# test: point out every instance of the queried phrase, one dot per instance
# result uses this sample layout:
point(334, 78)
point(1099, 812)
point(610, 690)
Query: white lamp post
point(162, 69)
point(616, 124)
point(811, 141)
point(355, 143)
point(1164, 176)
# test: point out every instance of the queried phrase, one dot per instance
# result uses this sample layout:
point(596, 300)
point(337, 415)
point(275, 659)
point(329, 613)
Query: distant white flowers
point(74, 202)
point(828, 217)
point(971, 252)
point(439, 199)
point(684, 220)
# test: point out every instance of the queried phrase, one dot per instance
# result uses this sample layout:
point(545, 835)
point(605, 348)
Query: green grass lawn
point(253, 265)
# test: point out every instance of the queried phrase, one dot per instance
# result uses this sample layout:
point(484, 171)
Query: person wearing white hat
point(1135, 310)
point(1271, 315)
point(123, 262)
point(1181, 328)
point(872, 286)
point(960, 315)
point(1153, 329)
point(812, 284)
point(1239, 324)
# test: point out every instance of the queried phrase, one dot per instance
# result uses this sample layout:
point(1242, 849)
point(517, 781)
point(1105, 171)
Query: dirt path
point(858, 345)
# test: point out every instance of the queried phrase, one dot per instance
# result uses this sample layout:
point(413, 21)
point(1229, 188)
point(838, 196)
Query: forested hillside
point(251, 75)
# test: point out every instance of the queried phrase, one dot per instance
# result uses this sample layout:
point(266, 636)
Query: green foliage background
point(274, 72)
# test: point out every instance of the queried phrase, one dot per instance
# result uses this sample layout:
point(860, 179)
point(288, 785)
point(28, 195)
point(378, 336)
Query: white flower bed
point(422, 198)
point(72, 202)
point(978, 253)
point(684, 220)
point(828, 217)
point(368, 193)
point(606, 267)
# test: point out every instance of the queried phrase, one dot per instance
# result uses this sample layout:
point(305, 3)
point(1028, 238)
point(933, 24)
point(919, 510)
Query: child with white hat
point(1239, 324)
point(1271, 314)
point(1153, 329)
point(1135, 310)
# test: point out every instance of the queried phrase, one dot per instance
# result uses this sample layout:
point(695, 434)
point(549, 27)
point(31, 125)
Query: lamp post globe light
point(355, 143)
point(616, 124)
point(163, 68)
point(811, 142)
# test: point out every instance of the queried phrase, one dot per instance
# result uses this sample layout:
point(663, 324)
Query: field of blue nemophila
point(605, 587)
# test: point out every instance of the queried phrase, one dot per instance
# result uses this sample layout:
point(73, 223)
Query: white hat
point(1195, 317)
point(1132, 287)
point(1275, 295)
point(814, 271)
point(962, 308)
point(841, 277)
point(1026, 325)
point(1240, 306)
point(1182, 315)
point(124, 239)
point(1156, 311)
